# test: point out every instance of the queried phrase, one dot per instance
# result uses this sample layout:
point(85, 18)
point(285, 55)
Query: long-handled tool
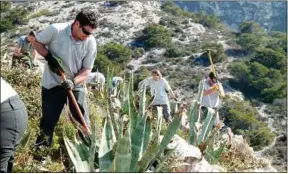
point(220, 90)
point(74, 102)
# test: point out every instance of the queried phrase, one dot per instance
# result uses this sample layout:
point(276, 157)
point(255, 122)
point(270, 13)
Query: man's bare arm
point(39, 47)
point(17, 51)
point(172, 94)
point(82, 75)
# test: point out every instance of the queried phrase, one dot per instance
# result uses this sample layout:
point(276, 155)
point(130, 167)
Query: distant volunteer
point(96, 79)
point(116, 82)
point(159, 87)
point(13, 123)
point(23, 50)
point(212, 95)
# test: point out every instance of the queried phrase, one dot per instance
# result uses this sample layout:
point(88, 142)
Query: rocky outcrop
point(270, 15)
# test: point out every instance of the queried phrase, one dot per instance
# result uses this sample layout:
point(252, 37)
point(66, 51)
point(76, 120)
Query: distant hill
point(270, 15)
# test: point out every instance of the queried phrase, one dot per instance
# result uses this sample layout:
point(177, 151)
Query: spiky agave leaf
point(200, 91)
point(137, 139)
point(207, 126)
point(76, 154)
point(123, 154)
point(106, 145)
point(93, 148)
point(156, 150)
point(193, 112)
point(147, 134)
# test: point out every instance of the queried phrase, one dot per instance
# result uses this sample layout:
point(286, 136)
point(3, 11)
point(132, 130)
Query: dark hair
point(212, 75)
point(32, 33)
point(87, 18)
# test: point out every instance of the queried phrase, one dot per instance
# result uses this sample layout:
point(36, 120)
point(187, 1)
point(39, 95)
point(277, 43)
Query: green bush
point(249, 41)
point(45, 12)
point(138, 52)
point(102, 63)
point(12, 18)
point(256, 80)
point(112, 55)
point(217, 52)
point(174, 51)
point(270, 58)
point(249, 27)
point(241, 118)
point(209, 21)
point(5, 6)
point(155, 35)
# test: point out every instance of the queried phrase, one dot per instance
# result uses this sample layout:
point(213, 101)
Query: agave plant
point(124, 146)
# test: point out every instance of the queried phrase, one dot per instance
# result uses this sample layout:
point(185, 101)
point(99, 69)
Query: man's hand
point(26, 54)
point(68, 84)
point(215, 87)
point(53, 64)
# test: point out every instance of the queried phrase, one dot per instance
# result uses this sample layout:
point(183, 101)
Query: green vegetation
point(155, 35)
point(249, 27)
point(5, 6)
point(241, 118)
point(10, 18)
point(124, 146)
point(112, 55)
point(206, 20)
point(263, 74)
point(45, 12)
point(216, 50)
point(174, 51)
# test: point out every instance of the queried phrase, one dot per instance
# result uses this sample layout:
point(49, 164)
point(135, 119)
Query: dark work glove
point(53, 63)
point(68, 84)
point(26, 54)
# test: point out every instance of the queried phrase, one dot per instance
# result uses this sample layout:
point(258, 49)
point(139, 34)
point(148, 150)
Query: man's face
point(82, 32)
point(212, 81)
point(30, 38)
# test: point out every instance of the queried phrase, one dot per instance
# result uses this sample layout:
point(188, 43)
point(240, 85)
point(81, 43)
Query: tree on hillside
point(249, 41)
point(249, 27)
point(155, 35)
point(270, 58)
point(112, 55)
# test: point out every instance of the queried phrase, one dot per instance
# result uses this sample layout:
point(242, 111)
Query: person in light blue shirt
point(23, 50)
point(75, 47)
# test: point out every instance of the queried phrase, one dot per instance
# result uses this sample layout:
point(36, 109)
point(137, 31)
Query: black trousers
point(13, 123)
point(53, 101)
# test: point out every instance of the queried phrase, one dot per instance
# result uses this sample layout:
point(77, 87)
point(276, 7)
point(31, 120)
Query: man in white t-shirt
point(211, 95)
point(159, 88)
point(96, 79)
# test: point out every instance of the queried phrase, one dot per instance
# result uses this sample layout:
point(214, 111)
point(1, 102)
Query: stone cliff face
point(270, 15)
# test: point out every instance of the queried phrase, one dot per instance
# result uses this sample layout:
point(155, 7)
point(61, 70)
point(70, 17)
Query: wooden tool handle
point(75, 104)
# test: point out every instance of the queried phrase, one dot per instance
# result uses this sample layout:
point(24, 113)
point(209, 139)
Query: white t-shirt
point(157, 88)
point(212, 100)
point(6, 90)
point(75, 55)
point(99, 79)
